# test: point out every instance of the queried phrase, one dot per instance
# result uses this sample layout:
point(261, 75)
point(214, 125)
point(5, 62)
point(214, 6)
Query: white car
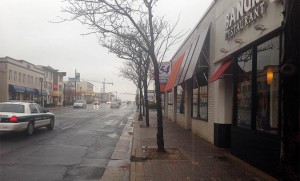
point(79, 104)
point(24, 116)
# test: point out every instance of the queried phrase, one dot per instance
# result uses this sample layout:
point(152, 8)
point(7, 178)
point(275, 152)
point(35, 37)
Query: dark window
point(40, 108)
point(33, 108)
point(257, 87)
point(200, 96)
point(170, 102)
point(180, 100)
point(267, 94)
point(244, 92)
point(15, 108)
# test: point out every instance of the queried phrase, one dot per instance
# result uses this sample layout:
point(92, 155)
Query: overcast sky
point(26, 33)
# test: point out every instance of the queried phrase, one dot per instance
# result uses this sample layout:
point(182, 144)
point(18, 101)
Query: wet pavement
point(188, 157)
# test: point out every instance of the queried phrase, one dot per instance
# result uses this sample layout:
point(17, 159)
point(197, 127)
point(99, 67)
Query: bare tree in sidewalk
point(140, 69)
point(111, 19)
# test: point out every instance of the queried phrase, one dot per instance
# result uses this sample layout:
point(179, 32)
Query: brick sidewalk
point(189, 157)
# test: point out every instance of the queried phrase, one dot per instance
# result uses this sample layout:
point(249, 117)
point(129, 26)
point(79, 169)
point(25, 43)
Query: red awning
point(162, 88)
point(172, 78)
point(221, 70)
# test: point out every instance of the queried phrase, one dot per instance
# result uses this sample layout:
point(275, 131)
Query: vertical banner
point(164, 72)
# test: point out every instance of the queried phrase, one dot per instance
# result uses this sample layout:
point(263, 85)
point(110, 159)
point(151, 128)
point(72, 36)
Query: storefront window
point(267, 86)
point(180, 100)
point(170, 102)
point(244, 89)
point(200, 95)
point(258, 87)
point(163, 101)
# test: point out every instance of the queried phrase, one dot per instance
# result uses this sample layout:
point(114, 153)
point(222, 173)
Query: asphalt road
point(79, 147)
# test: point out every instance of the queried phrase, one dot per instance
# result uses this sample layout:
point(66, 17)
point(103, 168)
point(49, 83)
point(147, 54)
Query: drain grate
point(137, 159)
point(222, 158)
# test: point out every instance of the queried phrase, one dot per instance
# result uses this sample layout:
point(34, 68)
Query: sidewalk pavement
point(188, 157)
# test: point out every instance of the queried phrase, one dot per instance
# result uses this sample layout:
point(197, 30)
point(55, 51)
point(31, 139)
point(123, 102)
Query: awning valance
point(44, 92)
point(193, 57)
point(162, 88)
point(220, 71)
point(30, 90)
point(16, 88)
point(173, 76)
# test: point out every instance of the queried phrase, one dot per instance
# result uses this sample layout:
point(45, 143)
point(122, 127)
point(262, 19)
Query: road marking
point(68, 126)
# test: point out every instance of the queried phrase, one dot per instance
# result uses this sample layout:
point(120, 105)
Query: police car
point(24, 116)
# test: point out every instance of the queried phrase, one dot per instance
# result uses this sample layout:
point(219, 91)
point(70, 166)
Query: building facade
point(54, 85)
point(84, 90)
point(24, 81)
point(225, 83)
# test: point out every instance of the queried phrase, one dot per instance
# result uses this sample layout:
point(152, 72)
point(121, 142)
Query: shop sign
point(242, 15)
point(164, 72)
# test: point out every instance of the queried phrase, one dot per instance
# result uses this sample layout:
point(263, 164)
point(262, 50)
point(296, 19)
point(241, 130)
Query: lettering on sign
point(242, 15)
point(164, 72)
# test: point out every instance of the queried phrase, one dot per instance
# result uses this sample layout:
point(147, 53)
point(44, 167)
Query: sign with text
point(164, 72)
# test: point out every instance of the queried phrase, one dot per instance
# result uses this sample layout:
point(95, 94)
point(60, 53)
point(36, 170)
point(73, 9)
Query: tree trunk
point(140, 99)
point(146, 100)
point(143, 101)
point(160, 131)
point(141, 105)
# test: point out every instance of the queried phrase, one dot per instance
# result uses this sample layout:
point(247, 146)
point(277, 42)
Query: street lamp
point(80, 93)
point(116, 98)
point(41, 98)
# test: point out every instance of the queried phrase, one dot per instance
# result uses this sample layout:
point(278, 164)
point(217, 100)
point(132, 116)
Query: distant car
point(79, 104)
point(24, 116)
point(114, 105)
point(96, 103)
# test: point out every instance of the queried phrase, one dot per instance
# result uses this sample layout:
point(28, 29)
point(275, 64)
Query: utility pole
point(104, 85)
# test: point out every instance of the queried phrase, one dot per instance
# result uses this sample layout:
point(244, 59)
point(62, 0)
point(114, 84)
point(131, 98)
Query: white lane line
point(68, 126)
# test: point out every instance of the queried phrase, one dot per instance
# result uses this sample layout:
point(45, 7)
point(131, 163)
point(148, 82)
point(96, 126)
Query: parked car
point(79, 104)
point(114, 105)
point(24, 116)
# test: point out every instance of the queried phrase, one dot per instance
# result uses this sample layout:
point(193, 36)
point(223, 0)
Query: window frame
point(253, 46)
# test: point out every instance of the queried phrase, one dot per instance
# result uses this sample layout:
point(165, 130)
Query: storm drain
point(222, 158)
point(137, 159)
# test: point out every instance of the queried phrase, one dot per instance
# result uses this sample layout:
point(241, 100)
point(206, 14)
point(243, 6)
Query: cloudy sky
point(26, 33)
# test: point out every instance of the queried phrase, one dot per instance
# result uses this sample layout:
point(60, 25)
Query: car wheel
point(51, 124)
point(30, 128)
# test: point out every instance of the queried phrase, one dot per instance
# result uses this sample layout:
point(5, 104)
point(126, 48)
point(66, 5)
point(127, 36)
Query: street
point(79, 147)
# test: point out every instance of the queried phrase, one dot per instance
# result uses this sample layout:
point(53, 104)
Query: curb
point(119, 166)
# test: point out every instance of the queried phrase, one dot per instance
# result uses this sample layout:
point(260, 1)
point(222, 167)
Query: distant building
point(24, 81)
point(84, 90)
point(53, 84)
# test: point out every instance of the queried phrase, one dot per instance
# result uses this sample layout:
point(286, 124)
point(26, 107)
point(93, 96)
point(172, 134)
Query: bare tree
point(118, 18)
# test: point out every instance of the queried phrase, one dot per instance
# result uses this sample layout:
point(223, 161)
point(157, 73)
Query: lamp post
point(41, 98)
point(116, 97)
point(80, 93)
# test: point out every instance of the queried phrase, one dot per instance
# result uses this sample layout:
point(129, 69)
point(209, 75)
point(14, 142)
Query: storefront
point(225, 84)
point(16, 92)
point(247, 81)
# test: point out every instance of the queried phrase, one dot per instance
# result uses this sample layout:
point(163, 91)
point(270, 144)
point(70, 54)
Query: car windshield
point(79, 101)
point(16, 108)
